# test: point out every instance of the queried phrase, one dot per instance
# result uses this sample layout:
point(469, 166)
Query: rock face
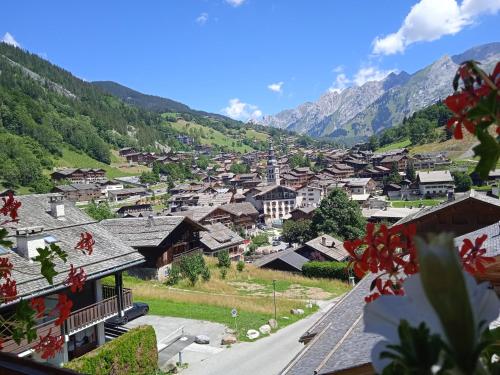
point(265, 329)
point(202, 339)
point(273, 323)
point(359, 111)
point(297, 312)
point(228, 340)
point(252, 334)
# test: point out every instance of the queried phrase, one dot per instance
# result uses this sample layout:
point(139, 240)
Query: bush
point(175, 275)
point(135, 352)
point(330, 270)
point(205, 274)
point(223, 273)
point(240, 266)
point(192, 267)
point(223, 258)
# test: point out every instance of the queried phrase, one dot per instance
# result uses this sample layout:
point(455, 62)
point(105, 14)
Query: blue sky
point(246, 57)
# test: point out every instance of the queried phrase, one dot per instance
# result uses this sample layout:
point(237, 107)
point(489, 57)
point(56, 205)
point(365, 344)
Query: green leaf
point(489, 152)
point(25, 322)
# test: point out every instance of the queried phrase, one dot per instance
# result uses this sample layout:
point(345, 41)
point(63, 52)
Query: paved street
point(266, 356)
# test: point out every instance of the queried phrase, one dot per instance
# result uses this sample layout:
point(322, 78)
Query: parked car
point(138, 309)
point(276, 243)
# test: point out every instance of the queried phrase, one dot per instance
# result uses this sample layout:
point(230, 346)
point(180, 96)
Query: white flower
point(384, 315)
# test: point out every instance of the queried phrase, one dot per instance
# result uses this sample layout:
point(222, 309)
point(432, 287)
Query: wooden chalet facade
point(79, 175)
point(458, 215)
point(162, 240)
point(48, 219)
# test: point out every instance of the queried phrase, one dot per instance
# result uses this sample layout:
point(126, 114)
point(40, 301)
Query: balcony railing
point(77, 320)
point(177, 257)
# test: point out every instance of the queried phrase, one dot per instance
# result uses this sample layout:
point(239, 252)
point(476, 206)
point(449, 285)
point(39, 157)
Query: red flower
point(10, 207)
point(86, 243)
point(64, 306)
point(49, 345)
point(76, 279)
point(472, 255)
point(38, 304)
point(8, 290)
point(5, 267)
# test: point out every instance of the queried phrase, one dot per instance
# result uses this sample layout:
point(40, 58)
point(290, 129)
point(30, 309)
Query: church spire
point(273, 172)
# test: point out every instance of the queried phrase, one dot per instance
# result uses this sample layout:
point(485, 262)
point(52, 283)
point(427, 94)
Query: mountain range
point(360, 111)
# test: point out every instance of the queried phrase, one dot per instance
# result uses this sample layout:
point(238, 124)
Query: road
point(267, 356)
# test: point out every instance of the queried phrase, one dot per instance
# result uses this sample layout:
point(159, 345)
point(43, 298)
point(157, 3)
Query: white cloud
point(9, 39)
point(276, 87)
point(242, 111)
point(341, 82)
point(202, 19)
point(235, 3)
point(370, 73)
point(429, 20)
point(338, 69)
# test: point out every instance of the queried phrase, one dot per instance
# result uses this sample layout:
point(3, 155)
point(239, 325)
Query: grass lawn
point(394, 146)
point(249, 291)
point(212, 136)
point(416, 203)
point(75, 159)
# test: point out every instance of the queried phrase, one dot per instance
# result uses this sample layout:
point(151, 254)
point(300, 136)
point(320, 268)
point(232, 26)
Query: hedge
point(134, 352)
point(331, 270)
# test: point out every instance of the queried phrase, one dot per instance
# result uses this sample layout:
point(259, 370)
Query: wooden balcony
point(78, 320)
point(97, 312)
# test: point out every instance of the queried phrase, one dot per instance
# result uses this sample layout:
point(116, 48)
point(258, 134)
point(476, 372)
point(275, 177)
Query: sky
point(246, 58)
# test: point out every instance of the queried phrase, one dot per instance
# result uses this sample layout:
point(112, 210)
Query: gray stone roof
point(492, 243)
point(338, 342)
point(145, 231)
point(196, 213)
point(426, 177)
point(110, 253)
point(306, 210)
point(330, 246)
point(288, 256)
point(472, 194)
point(239, 209)
point(218, 236)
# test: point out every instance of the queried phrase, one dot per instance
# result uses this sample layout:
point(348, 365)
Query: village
point(241, 216)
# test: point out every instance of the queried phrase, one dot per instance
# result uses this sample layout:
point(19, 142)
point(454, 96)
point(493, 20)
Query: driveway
point(267, 356)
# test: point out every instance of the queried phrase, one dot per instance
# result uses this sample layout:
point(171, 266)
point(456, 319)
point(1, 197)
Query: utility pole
point(274, 298)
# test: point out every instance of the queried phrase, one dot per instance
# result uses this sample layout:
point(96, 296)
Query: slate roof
point(77, 187)
point(110, 253)
point(196, 213)
point(472, 194)
point(492, 243)
point(239, 209)
point(288, 256)
point(429, 177)
point(338, 342)
point(334, 247)
point(306, 210)
point(145, 231)
point(218, 236)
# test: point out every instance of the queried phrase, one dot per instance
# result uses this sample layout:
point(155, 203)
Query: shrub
point(205, 274)
point(223, 272)
point(223, 258)
point(192, 267)
point(175, 275)
point(135, 352)
point(330, 270)
point(240, 266)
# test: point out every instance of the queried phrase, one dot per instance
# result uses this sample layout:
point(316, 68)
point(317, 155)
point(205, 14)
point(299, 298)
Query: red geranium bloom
point(64, 306)
point(86, 243)
point(76, 279)
point(39, 305)
point(49, 345)
point(472, 255)
point(8, 290)
point(5, 267)
point(10, 207)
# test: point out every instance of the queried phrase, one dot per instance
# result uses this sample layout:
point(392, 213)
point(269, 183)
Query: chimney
point(151, 220)
point(451, 195)
point(323, 241)
point(28, 240)
point(56, 206)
